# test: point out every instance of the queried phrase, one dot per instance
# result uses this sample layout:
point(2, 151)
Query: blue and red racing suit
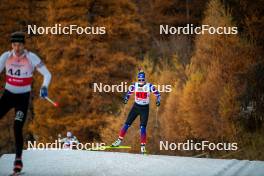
point(140, 107)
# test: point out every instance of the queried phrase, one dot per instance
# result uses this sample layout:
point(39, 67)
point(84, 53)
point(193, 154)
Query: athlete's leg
point(21, 107)
point(130, 119)
point(144, 113)
point(123, 131)
point(5, 104)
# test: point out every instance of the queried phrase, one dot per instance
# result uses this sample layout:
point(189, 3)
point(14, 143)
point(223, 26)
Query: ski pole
point(52, 102)
point(156, 119)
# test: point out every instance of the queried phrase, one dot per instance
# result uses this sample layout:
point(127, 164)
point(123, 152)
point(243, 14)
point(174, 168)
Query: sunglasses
point(141, 80)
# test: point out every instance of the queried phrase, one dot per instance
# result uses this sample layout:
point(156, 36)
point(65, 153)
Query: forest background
point(217, 80)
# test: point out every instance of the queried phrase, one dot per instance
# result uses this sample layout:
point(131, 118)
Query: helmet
point(141, 74)
point(141, 77)
point(69, 134)
point(17, 37)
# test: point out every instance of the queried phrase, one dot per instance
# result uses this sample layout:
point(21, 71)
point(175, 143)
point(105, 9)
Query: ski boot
point(18, 165)
point(116, 143)
point(143, 149)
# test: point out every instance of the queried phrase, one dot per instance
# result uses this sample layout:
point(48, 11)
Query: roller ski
point(117, 145)
point(17, 173)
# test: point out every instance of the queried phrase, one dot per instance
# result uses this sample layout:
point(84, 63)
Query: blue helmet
point(141, 75)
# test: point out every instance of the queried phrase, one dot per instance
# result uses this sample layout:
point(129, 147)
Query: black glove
point(43, 92)
point(125, 100)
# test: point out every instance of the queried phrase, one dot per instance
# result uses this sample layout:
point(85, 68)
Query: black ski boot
point(18, 165)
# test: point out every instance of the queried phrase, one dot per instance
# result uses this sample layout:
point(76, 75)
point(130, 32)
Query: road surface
point(98, 163)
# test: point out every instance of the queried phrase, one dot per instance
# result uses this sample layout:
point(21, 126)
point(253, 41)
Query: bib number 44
point(14, 73)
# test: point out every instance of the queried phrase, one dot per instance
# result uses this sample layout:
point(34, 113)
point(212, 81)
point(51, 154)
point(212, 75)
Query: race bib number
point(141, 95)
point(19, 71)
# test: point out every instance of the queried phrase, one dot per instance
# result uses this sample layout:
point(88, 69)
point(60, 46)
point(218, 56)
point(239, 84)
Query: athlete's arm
point(131, 90)
point(47, 76)
point(156, 93)
point(3, 59)
point(63, 140)
point(42, 69)
point(75, 140)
